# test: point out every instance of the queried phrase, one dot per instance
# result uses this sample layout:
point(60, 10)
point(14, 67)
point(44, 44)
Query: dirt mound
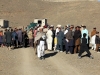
point(23, 12)
point(66, 0)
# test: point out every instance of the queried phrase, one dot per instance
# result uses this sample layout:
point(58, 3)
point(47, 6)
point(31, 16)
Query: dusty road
point(24, 62)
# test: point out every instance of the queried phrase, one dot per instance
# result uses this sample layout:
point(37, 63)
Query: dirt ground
point(24, 62)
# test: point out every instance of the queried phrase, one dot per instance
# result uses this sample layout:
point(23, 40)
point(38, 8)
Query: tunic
point(49, 35)
point(19, 32)
point(8, 37)
point(60, 38)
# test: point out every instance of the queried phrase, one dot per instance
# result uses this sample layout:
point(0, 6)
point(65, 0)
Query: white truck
point(4, 23)
point(41, 22)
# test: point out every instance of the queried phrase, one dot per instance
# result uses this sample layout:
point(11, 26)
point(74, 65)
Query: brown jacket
point(69, 35)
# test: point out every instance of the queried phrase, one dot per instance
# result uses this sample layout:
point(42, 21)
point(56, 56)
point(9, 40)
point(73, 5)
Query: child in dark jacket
point(84, 47)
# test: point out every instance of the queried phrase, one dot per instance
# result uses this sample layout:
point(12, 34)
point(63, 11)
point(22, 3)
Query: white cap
point(68, 25)
point(7, 28)
point(58, 25)
point(45, 29)
point(52, 26)
point(40, 27)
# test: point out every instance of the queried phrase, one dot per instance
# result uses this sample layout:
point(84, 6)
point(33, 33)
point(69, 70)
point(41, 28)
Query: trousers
point(59, 47)
point(97, 47)
point(69, 46)
point(93, 46)
point(81, 51)
point(40, 49)
point(49, 43)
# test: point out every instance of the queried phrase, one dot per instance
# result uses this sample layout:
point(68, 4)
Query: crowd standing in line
point(70, 40)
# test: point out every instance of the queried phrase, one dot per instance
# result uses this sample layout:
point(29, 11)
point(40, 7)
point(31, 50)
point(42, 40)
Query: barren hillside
point(22, 12)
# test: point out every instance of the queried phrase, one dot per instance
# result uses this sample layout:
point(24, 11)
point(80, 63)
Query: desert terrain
point(23, 61)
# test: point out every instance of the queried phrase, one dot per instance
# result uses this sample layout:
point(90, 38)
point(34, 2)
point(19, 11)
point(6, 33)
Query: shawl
point(38, 36)
point(93, 33)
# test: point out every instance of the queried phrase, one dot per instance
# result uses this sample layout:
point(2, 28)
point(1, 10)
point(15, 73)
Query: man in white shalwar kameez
point(49, 35)
point(41, 47)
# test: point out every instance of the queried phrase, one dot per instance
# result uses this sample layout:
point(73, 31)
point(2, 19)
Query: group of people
point(16, 38)
point(71, 39)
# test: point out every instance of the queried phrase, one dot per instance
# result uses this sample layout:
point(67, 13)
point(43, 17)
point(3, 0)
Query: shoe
point(57, 50)
point(40, 58)
point(92, 48)
point(95, 51)
point(98, 52)
point(79, 57)
point(67, 53)
point(9, 48)
point(61, 51)
point(91, 57)
point(43, 57)
point(35, 53)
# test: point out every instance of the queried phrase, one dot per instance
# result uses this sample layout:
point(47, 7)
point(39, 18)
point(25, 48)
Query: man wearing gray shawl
point(40, 37)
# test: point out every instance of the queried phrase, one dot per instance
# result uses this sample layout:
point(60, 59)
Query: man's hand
point(67, 40)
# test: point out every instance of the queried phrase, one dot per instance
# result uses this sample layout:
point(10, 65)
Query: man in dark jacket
point(8, 38)
point(25, 39)
point(53, 31)
point(69, 41)
point(97, 41)
point(77, 38)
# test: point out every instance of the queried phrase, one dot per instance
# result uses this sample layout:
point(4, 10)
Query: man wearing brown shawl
point(93, 32)
point(77, 39)
point(93, 35)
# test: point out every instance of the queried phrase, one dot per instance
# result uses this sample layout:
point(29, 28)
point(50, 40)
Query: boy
point(84, 47)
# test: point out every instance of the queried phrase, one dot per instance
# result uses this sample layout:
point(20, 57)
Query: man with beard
point(69, 41)
point(40, 37)
point(77, 39)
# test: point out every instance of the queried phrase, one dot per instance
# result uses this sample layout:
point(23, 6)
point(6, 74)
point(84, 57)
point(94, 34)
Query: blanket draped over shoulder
point(38, 36)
